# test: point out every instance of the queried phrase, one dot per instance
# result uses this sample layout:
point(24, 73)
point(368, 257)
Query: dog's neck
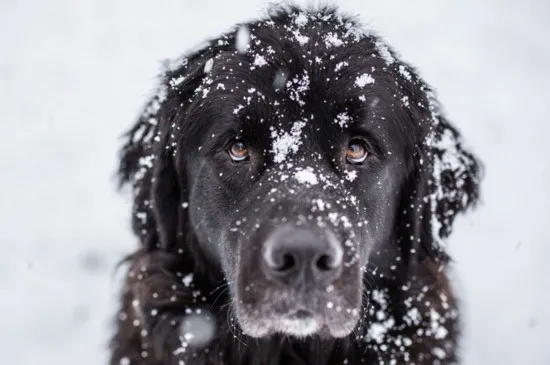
point(278, 350)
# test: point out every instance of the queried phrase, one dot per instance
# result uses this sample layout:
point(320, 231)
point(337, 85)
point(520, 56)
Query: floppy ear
point(136, 168)
point(149, 157)
point(445, 182)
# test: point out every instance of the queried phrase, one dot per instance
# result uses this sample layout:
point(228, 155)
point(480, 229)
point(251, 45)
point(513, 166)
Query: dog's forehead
point(307, 77)
point(302, 67)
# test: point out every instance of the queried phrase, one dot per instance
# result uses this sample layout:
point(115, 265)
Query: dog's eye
point(238, 151)
point(357, 151)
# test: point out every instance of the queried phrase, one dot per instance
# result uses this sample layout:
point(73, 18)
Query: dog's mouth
point(299, 326)
point(295, 318)
point(300, 314)
point(300, 323)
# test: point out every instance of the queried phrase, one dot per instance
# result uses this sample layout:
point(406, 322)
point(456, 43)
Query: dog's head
point(293, 153)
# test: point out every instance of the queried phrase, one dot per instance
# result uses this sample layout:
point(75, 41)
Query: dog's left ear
point(445, 182)
point(149, 158)
point(169, 187)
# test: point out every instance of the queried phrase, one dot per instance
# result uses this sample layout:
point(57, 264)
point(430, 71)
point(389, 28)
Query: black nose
point(298, 256)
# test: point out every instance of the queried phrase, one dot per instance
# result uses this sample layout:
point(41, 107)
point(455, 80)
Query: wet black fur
point(169, 248)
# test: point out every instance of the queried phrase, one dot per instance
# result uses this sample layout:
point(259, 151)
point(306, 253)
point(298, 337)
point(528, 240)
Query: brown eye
point(238, 151)
point(357, 151)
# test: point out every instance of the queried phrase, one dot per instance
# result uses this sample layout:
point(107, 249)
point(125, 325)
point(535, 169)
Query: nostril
point(287, 262)
point(325, 263)
point(280, 262)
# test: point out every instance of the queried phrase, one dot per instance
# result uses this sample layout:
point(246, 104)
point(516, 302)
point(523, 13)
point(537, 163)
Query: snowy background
point(73, 75)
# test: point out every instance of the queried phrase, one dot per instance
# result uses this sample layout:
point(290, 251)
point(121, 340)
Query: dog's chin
point(300, 328)
point(295, 327)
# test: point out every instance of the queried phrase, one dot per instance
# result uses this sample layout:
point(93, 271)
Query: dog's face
point(295, 167)
point(305, 153)
point(291, 199)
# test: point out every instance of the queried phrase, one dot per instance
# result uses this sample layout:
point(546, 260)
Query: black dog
point(293, 183)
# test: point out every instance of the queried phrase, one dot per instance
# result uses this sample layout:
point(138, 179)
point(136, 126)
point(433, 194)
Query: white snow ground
point(73, 75)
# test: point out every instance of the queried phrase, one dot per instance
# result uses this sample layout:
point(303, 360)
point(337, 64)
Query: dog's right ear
point(148, 158)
